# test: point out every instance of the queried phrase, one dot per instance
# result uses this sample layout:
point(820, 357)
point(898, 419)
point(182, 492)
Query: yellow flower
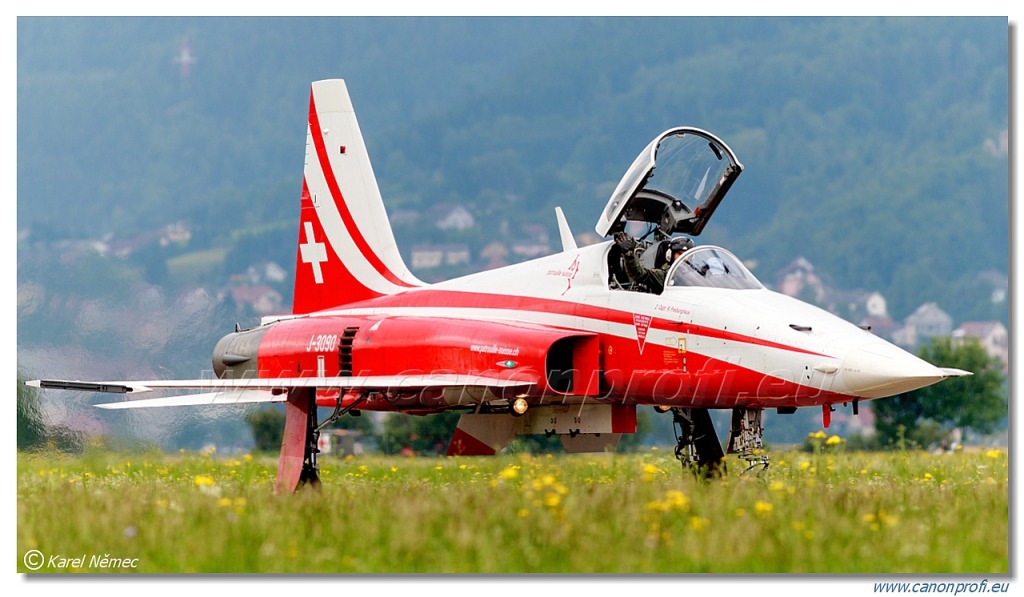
point(677, 500)
point(762, 508)
point(247, 458)
point(511, 472)
point(651, 471)
point(994, 453)
point(835, 440)
point(674, 500)
point(805, 465)
point(698, 523)
point(552, 499)
point(203, 481)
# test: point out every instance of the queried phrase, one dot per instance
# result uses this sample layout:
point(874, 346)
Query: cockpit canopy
point(710, 267)
point(676, 183)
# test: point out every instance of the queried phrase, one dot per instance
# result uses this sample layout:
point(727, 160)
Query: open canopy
point(676, 182)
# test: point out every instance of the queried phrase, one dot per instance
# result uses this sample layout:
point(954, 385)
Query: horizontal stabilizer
point(205, 399)
point(369, 382)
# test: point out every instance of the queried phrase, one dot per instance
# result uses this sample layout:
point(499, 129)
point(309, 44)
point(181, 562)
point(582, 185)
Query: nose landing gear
point(746, 438)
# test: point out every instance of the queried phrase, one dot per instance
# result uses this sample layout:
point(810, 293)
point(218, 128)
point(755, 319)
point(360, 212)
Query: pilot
point(652, 278)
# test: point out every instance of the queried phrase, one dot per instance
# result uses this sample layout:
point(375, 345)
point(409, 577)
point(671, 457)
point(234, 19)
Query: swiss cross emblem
point(313, 253)
point(642, 323)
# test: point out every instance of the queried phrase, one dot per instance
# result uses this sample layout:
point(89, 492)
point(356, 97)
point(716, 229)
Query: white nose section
point(881, 369)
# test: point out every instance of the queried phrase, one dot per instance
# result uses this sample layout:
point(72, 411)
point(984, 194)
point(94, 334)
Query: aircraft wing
point(243, 391)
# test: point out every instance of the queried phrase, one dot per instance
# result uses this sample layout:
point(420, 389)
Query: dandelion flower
point(510, 472)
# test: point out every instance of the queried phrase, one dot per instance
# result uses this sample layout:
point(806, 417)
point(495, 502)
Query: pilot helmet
point(679, 244)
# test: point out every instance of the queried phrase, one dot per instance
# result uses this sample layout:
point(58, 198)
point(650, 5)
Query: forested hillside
point(874, 147)
point(877, 146)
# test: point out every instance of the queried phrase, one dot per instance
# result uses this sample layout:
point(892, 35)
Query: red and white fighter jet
point(564, 344)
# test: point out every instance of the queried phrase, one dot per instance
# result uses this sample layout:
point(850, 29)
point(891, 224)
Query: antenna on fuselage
point(568, 242)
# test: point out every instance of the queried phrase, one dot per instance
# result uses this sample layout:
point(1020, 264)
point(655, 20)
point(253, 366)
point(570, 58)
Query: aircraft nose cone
point(881, 369)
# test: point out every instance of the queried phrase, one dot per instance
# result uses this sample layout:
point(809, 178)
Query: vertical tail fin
point(346, 250)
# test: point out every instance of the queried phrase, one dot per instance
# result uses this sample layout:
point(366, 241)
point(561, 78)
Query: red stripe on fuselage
point(339, 200)
point(428, 298)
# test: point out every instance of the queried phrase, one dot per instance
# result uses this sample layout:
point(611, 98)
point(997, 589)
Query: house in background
point(494, 255)
point(451, 217)
point(431, 256)
point(992, 335)
point(800, 281)
point(262, 299)
point(928, 321)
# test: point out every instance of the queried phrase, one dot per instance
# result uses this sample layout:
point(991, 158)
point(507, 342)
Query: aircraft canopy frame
point(709, 266)
point(676, 182)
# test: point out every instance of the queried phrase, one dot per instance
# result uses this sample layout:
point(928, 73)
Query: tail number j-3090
point(322, 342)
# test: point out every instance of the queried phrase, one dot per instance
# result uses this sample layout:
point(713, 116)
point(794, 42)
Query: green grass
point(842, 513)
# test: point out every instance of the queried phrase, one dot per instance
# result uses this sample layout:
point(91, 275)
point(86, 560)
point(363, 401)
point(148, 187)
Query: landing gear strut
point(310, 469)
point(746, 438)
point(297, 464)
point(697, 445)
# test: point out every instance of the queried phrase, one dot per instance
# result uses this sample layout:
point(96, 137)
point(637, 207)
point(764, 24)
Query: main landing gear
point(297, 464)
point(697, 445)
point(698, 448)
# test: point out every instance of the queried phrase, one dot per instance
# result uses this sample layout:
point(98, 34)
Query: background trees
point(975, 403)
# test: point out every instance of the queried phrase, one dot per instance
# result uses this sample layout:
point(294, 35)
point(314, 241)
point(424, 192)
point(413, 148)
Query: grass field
point(842, 512)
